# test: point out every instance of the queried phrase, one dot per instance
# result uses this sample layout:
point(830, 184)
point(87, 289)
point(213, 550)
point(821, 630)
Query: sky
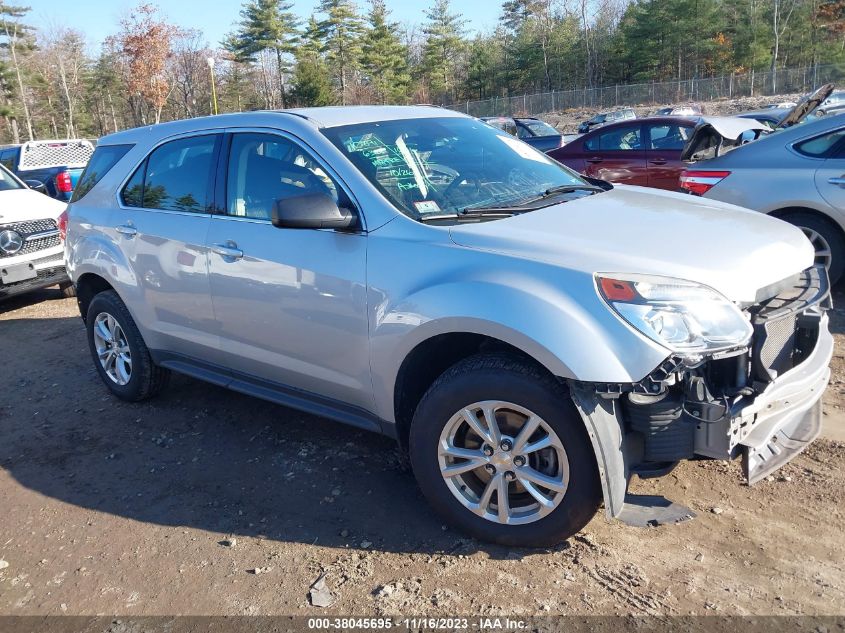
point(99, 18)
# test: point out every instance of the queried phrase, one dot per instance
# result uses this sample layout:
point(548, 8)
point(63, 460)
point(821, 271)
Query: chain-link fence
point(786, 81)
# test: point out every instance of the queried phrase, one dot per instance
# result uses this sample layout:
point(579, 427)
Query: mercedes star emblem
point(10, 242)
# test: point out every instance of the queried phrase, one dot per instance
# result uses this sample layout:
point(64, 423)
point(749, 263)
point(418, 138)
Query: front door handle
point(837, 181)
point(596, 159)
point(658, 161)
point(229, 250)
point(127, 230)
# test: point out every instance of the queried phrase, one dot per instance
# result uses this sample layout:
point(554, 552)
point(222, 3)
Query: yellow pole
point(213, 87)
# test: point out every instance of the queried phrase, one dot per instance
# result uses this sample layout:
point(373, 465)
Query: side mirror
point(36, 185)
point(311, 211)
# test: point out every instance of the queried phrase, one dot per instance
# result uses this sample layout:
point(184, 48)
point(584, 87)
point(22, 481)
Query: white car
point(31, 250)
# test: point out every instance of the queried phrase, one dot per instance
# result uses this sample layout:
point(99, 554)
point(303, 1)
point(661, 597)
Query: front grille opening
point(33, 228)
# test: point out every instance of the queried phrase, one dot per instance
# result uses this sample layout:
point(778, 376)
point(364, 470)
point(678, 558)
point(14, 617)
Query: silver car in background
point(797, 174)
point(532, 338)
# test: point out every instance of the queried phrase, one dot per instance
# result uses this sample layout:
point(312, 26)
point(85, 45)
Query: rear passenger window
point(177, 176)
point(669, 136)
point(618, 139)
point(104, 158)
point(264, 168)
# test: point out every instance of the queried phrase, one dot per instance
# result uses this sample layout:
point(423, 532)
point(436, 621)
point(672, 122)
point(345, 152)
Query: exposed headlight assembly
point(683, 316)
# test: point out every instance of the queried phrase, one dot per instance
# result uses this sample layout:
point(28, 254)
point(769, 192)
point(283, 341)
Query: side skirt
point(273, 392)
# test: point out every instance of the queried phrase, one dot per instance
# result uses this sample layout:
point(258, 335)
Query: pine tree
point(341, 31)
point(384, 57)
point(444, 32)
point(268, 25)
point(311, 76)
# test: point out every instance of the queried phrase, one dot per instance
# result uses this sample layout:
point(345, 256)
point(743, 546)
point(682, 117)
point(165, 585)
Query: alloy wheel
point(503, 462)
point(112, 349)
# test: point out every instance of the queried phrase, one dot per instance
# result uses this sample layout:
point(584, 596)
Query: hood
point(715, 135)
point(806, 106)
point(637, 230)
point(18, 205)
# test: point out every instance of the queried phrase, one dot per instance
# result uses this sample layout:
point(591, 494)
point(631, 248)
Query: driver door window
point(264, 168)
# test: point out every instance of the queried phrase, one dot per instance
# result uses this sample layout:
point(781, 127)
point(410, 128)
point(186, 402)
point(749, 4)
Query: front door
point(664, 142)
point(616, 154)
point(291, 304)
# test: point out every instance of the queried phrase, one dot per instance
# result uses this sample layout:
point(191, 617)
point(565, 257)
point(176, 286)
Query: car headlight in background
point(683, 316)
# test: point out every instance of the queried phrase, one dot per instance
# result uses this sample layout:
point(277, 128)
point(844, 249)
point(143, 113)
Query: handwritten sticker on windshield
point(391, 166)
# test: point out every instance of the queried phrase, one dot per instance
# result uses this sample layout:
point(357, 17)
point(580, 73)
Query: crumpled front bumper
point(787, 416)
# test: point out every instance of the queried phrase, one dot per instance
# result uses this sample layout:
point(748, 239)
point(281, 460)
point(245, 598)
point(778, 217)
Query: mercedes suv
point(533, 338)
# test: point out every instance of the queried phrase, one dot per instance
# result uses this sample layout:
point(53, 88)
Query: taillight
point(61, 222)
point(700, 182)
point(63, 183)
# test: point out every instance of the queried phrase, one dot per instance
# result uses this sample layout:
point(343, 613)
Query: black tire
point(67, 289)
point(506, 378)
point(831, 234)
point(146, 378)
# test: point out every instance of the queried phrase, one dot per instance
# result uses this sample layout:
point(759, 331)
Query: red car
point(643, 152)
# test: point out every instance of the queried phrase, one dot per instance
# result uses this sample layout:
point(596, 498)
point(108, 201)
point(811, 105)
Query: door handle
point(127, 230)
point(837, 181)
point(658, 161)
point(229, 250)
point(596, 159)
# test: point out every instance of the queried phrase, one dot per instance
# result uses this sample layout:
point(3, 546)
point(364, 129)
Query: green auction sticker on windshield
point(427, 206)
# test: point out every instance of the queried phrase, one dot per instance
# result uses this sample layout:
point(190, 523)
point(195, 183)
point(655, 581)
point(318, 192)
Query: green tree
point(17, 39)
point(341, 31)
point(311, 76)
point(267, 25)
point(384, 57)
point(444, 43)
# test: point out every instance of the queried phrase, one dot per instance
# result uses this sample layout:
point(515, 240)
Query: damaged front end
point(760, 401)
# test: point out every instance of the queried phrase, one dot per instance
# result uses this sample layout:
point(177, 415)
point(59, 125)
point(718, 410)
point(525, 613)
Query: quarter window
point(104, 158)
point(264, 168)
point(176, 176)
point(618, 139)
point(820, 146)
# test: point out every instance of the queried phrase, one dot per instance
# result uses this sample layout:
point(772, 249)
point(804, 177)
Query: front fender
point(555, 328)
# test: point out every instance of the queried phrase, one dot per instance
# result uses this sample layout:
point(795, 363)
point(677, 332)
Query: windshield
point(538, 128)
point(8, 181)
point(431, 167)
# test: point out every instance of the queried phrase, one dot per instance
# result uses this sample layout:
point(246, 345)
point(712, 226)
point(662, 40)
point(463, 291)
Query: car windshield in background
point(7, 181)
point(538, 128)
point(446, 166)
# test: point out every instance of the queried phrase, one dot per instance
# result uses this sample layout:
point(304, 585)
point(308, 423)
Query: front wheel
point(500, 451)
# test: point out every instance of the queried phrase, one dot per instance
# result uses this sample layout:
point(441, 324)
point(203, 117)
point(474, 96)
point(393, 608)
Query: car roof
point(320, 117)
point(687, 120)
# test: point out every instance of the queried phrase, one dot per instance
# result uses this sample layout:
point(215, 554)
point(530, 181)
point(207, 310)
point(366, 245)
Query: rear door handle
point(837, 181)
point(229, 250)
point(596, 159)
point(658, 161)
point(127, 230)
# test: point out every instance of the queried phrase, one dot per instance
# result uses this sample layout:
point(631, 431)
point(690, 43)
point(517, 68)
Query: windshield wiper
point(476, 212)
point(568, 189)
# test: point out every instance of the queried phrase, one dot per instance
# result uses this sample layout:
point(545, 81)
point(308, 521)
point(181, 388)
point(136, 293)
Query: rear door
point(617, 154)
point(160, 225)
point(664, 142)
point(830, 177)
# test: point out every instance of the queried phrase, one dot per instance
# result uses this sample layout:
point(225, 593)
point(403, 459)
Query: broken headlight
point(683, 316)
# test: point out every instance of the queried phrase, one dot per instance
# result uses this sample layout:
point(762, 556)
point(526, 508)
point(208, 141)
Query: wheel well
point(89, 286)
point(781, 213)
point(428, 360)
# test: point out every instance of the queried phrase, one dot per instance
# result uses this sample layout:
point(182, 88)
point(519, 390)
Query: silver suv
point(532, 338)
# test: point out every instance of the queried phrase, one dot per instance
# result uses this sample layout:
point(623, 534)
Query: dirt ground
point(205, 501)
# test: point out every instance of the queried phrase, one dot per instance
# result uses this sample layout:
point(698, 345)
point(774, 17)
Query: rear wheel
point(119, 352)
point(826, 239)
point(500, 451)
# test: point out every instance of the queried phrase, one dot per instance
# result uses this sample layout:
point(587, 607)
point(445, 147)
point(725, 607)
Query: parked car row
point(53, 167)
